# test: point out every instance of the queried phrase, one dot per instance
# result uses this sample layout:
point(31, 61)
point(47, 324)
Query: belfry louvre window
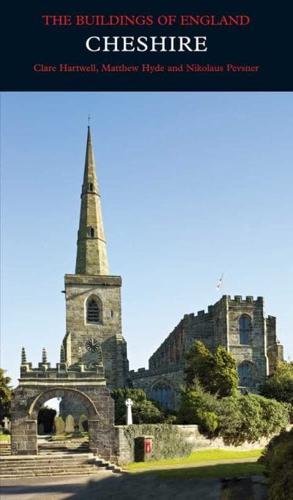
point(92, 311)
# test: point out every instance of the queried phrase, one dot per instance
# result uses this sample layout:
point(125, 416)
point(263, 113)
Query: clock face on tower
point(92, 345)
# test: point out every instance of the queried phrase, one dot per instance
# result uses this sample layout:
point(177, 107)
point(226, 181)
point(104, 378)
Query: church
point(93, 353)
point(237, 323)
point(93, 319)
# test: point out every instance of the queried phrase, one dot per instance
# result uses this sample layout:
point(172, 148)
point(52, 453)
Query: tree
point(46, 417)
point(143, 410)
point(216, 372)
point(198, 407)
point(5, 395)
point(279, 385)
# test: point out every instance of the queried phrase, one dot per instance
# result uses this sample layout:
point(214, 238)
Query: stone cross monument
point(129, 404)
point(6, 423)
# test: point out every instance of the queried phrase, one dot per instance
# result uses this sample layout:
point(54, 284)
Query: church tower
point(93, 296)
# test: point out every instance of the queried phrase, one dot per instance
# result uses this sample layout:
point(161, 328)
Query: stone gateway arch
point(100, 411)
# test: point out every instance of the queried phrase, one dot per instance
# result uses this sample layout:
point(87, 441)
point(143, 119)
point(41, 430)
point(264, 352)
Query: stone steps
point(5, 449)
point(63, 446)
point(59, 465)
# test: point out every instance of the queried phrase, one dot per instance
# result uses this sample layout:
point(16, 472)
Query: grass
point(195, 458)
point(5, 438)
point(211, 471)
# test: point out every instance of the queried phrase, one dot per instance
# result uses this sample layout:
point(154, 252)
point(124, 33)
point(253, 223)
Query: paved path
point(107, 486)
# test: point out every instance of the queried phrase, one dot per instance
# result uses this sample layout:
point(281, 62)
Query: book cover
point(146, 240)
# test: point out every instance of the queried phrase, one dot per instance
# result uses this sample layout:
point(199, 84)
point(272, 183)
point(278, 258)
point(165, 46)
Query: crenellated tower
point(93, 295)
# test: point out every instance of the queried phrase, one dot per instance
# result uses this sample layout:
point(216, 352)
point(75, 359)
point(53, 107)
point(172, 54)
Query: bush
point(143, 410)
point(279, 385)
point(230, 421)
point(199, 407)
point(250, 417)
point(278, 461)
point(208, 421)
point(275, 415)
point(236, 418)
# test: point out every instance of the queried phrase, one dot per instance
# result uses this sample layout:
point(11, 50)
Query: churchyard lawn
point(204, 464)
point(5, 438)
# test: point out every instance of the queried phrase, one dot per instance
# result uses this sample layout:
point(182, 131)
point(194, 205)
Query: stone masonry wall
point(218, 326)
point(148, 379)
point(255, 351)
point(108, 332)
point(190, 434)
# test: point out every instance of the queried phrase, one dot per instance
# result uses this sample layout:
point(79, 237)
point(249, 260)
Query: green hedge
point(278, 461)
point(167, 443)
point(235, 418)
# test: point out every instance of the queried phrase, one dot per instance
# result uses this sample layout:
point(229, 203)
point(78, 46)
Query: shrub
point(279, 385)
point(250, 417)
point(208, 421)
point(230, 420)
point(143, 410)
point(275, 415)
point(278, 461)
point(236, 418)
point(199, 407)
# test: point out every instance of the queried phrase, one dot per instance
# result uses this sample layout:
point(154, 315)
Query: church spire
point(91, 244)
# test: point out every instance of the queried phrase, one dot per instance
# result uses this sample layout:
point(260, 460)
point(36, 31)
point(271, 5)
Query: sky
point(193, 185)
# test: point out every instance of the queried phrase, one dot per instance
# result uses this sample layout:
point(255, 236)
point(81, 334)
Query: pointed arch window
point(245, 327)
point(163, 393)
point(93, 311)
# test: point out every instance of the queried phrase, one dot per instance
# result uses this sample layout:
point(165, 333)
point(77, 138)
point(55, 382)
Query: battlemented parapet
point(61, 373)
point(236, 323)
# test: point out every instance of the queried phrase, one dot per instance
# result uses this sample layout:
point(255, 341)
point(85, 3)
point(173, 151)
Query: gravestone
point(41, 429)
point(69, 424)
point(83, 423)
point(59, 425)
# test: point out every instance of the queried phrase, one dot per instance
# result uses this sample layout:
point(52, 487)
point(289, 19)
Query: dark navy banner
point(111, 45)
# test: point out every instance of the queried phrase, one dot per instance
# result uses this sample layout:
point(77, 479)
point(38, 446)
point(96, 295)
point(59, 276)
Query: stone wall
point(220, 325)
point(107, 332)
point(254, 351)
point(190, 434)
point(148, 380)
